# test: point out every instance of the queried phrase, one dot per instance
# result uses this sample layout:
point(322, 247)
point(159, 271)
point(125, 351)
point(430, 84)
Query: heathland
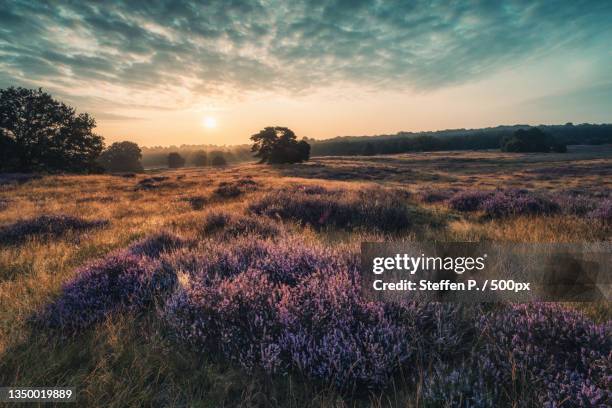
point(236, 286)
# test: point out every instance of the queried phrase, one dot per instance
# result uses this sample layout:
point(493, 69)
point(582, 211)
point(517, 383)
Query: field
point(234, 287)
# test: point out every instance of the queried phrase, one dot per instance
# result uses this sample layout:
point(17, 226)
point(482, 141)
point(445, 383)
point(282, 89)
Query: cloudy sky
point(171, 72)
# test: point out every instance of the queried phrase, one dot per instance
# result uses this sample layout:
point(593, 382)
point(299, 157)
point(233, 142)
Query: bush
point(435, 196)
point(50, 226)
point(559, 349)
point(509, 203)
point(235, 225)
point(469, 200)
point(127, 280)
point(120, 282)
point(376, 209)
point(603, 212)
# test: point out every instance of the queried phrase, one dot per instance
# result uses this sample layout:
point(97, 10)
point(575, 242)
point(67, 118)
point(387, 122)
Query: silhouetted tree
point(279, 145)
point(530, 140)
point(218, 160)
point(122, 156)
point(369, 149)
point(42, 133)
point(199, 158)
point(175, 160)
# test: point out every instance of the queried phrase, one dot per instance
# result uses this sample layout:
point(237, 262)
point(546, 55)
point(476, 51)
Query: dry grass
point(132, 363)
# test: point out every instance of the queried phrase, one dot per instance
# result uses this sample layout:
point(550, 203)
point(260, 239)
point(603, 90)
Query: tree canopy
point(531, 140)
point(38, 132)
point(175, 160)
point(279, 145)
point(199, 158)
point(122, 156)
point(218, 160)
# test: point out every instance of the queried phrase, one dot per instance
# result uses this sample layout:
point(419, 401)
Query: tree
point(122, 157)
point(45, 134)
point(369, 149)
point(279, 145)
point(175, 160)
point(218, 160)
point(199, 158)
point(531, 140)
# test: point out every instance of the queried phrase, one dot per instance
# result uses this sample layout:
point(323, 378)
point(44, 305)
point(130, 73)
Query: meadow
point(238, 286)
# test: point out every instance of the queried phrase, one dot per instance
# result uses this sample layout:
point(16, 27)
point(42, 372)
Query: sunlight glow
point(209, 122)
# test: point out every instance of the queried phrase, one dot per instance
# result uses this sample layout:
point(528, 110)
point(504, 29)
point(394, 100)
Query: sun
point(209, 122)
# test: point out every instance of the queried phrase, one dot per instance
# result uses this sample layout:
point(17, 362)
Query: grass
point(131, 359)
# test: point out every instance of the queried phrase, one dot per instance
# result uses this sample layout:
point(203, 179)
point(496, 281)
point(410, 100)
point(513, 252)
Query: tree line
point(40, 133)
point(557, 136)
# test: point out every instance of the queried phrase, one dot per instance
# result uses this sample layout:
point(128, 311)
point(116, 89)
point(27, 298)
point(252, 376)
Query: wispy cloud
point(191, 49)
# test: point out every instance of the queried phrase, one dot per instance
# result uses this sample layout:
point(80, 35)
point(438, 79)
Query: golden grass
point(131, 363)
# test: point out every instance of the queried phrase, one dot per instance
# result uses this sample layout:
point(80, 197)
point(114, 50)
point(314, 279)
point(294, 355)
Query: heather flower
point(575, 204)
point(603, 212)
point(469, 200)
point(509, 203)
point(435, 196)
point(558, 348)
point(120, 282)
point(374, 208)
point(157, 244)
point(46, 225)
point(235, 225)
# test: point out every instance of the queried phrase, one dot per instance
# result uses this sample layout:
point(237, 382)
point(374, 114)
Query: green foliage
point(175, 160)
point(531, 140)
point(122, 157)
point(38, 133)
point(277, 145)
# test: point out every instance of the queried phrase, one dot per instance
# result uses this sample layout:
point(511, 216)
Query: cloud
point(195, 49)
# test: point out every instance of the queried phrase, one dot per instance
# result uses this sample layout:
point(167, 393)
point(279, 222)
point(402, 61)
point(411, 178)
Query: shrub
point(469, 200)
point(235, 225)
point(434, 196)
point(196, 202)
point(603, 212)
point(46, 225)
point(232, 189)
point(154, 245)
point(374, 208)
point(286, 307)
point(228, 190)
point(120, 282)
point(150, 183)
point(509, 203)
point(575, 204)
point(559, 349)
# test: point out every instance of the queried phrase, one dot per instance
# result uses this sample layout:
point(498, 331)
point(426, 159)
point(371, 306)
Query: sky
point(189, 72)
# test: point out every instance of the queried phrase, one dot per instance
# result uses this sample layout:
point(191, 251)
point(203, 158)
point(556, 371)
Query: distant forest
point(402, 142)
point(157, 156)
point(455, 139)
